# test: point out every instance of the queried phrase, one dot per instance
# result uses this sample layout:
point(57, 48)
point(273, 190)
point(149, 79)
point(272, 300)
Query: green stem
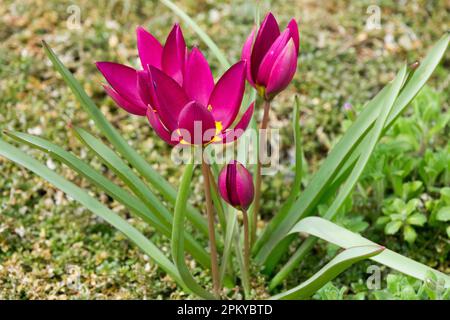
point(226, 261)
point(212, 235)
point(217, 202)
point(245, 278)
point(295, 190)
point(262, 141)
point(178, 234)
point(246, 242)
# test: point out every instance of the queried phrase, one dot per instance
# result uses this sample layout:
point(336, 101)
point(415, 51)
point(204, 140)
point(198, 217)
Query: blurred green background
point(52, 248)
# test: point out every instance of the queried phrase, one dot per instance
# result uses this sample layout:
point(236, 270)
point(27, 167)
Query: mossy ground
point(52, 248)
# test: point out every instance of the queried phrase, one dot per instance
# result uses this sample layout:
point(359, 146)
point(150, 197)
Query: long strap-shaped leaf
point(281, 224)
point(125, 173)
point(119, 143)
point(387, 104)
point(178, 234)
point(201, 33)
point(231, 225)
point(239, 253)
point(331, 232)
point(78, 194)
point(115, 163)
point(284, 244)
point(331, 270)
point(134, 204)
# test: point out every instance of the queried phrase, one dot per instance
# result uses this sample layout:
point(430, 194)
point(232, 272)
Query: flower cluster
point(176, 91)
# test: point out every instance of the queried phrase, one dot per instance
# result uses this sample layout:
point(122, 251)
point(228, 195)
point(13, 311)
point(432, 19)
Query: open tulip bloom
point(199, 112)
point(175, 90)
point(123, 80)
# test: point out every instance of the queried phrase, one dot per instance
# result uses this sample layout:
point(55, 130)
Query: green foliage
point(399, 287)
point(337, 265)
point(409, 171)
point(353, 149)
point(330, 292)
point(396, 287)
point(401, 215)
point(440, 210)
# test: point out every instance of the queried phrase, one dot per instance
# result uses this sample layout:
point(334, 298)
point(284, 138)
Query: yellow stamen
point(219, 127)
point(216, 139)
point(182, 141)
point(209, 107)
point(261, 90)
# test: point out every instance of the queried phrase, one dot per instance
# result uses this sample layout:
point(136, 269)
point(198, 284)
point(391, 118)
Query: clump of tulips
point(187, 108)
point(176, 91)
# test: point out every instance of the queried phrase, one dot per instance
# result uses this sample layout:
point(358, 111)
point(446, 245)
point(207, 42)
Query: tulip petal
point(271, 56)
point(293, 28)
point(226, 97)
point(196, 124)
point(231, 182)
point(283, 70)
point(149, 48)
point(244, 188)
point(231, 135)
point(159, 128)
point(222, 184)
point(122, 79)
point(198, 81)
point(246, 54)
point(246, 117)
point(169, 98)
point(144, 87)
point(267, 34)
point(130, 107)
point(174, 55)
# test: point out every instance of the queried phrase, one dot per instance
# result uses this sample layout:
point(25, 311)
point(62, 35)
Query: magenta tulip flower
point(198, 112)
point(123, 80)
point(272, 56)
point(236, 185)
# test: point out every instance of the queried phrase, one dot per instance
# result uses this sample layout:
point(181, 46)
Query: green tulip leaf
point(339, 264)
point(332, 233)
point(81, 196)
point(134, 204)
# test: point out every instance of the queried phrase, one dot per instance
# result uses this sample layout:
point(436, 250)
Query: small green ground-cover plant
point(409, 171)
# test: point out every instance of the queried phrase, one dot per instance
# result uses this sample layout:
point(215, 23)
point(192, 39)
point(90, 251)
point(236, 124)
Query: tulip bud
point(271, 56)
point(236, 185)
